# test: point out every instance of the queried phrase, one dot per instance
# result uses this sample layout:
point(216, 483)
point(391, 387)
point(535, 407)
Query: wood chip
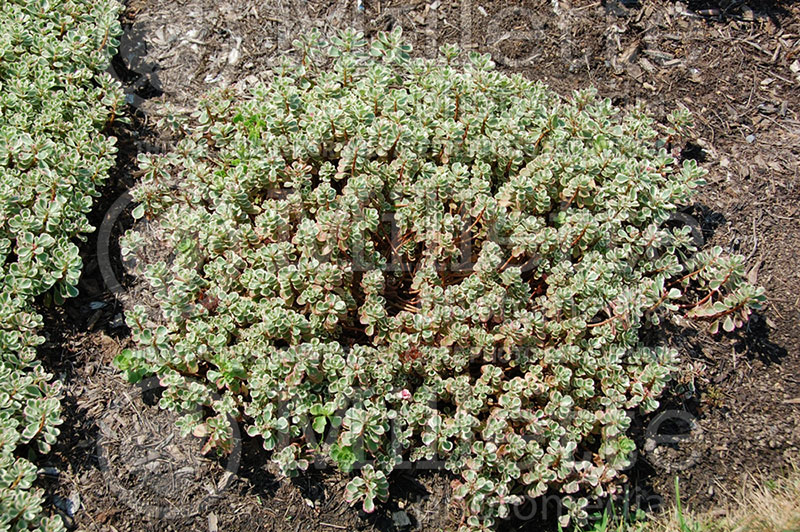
point(658, 54)
point(629, 55)
point(647, 65)
point(752, 275)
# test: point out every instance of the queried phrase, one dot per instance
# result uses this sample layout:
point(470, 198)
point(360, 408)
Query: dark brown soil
point(734, 64)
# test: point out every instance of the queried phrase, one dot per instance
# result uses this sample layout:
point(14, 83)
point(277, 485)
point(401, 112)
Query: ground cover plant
point(54, 103)
point(377, 259)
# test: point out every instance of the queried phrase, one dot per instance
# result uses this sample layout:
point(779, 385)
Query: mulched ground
point(736, 65)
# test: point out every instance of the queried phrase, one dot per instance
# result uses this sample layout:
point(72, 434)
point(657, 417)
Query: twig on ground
point(755, 243)
point(780, 217)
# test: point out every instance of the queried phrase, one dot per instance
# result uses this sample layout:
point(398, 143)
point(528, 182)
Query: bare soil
point(121, 463)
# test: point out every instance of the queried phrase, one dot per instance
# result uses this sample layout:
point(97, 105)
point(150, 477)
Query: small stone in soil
point(401, 520)
point(117, 321)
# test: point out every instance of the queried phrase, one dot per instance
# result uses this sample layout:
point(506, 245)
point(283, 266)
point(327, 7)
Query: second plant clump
point(56, 105)
point(379, 260)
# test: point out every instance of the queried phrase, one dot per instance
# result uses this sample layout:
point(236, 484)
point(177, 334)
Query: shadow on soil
point(724, 10)
point(754, 342)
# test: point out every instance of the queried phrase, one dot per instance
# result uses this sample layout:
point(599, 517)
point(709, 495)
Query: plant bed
point(729, 385)
point(376, 261)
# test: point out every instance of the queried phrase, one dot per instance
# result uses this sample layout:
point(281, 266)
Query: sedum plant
point(54, 102)
point(376, 260)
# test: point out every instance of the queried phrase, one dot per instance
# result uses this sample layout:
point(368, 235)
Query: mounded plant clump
point(53, 105)
point(379, 260)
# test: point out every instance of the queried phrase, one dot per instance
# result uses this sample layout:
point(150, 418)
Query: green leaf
point(369, 505)
point(728, 324)
point(138, 212)
point(319, 424)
